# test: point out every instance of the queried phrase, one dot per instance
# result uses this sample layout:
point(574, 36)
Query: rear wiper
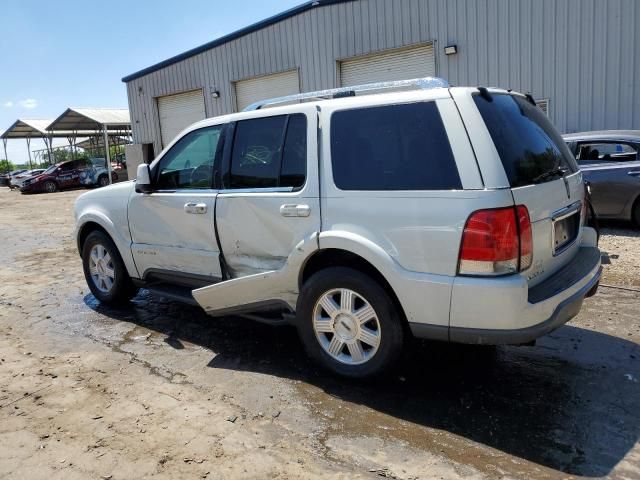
point(558, 171)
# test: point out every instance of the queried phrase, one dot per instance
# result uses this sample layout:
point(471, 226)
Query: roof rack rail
point(424, 83)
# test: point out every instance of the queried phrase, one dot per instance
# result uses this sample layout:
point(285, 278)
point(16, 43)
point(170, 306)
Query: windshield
point(51, 169)
point(530, 148)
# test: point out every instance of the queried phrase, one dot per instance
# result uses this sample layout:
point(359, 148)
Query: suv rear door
point(536, 165)
point(268, 209)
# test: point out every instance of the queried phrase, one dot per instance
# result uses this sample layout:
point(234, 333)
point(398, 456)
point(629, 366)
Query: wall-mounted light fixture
point(451, 49)
point(215, 93)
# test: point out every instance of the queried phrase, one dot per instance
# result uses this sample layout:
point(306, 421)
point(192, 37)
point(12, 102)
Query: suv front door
point(172, 228)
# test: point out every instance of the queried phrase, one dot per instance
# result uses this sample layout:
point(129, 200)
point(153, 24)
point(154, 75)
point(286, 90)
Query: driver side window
point(189, 164)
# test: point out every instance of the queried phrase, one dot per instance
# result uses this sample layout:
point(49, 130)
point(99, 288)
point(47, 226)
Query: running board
point(173, 292)
point(261, 291)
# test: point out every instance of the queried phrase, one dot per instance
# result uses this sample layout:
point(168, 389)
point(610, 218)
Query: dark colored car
point(71, 174)
point(610, 163)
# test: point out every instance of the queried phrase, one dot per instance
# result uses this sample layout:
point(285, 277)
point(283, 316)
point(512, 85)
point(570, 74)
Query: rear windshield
point(392, 147)
point(529, 146)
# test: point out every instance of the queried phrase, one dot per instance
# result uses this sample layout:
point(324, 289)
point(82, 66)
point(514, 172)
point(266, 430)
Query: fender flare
point(122, 244)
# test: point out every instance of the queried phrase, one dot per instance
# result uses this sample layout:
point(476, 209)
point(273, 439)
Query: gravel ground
point(160, 390)
point(621, 241)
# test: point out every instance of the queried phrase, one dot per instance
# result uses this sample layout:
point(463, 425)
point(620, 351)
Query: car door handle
point(195, 208)
point(295, 210)
point(634, 173)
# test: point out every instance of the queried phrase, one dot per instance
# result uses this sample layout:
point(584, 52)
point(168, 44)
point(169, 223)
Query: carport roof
point(98, 142)
point(32, 127)
point(92, 119)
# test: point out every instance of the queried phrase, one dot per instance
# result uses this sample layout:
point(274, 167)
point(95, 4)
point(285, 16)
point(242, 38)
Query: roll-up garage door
point(269, 86)
point(400, 64)
point(178, 112)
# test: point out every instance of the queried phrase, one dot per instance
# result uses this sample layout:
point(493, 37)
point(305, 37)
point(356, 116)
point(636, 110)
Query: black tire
point(122, 288)
point(103, 181)
point(391, 333)
point(635, 213)
point(50, 186)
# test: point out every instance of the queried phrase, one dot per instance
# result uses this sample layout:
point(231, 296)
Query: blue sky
point(54, 55)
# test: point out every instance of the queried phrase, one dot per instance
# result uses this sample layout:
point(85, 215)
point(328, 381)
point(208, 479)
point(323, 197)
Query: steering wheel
point(202, 173)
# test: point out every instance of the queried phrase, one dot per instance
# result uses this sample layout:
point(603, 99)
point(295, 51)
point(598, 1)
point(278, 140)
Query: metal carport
point(36, 128)
point(108, 121)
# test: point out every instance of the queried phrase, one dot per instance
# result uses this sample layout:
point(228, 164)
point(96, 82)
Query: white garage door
point(268, 86)
point(178, 112)
point(402, 64)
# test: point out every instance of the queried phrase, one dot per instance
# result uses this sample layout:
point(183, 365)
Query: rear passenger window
point(529, 146)
point(392, 147)
point(269, 152)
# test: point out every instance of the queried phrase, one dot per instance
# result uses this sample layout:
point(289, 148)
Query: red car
point(71, 174)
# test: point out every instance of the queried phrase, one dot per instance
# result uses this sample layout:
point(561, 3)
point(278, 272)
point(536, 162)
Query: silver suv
point(362, 216)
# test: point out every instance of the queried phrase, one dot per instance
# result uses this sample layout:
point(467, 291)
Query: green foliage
point(6, 166)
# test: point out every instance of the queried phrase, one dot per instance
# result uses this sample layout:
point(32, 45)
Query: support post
point(29, 152)
point(106, 151)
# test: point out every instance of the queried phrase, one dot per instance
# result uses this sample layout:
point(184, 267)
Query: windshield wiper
point(558, 171)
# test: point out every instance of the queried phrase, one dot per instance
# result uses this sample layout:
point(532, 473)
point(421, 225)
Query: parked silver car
point(610, 163)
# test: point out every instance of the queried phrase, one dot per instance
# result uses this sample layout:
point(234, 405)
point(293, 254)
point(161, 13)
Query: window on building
point(189, 163)
point(269, 152)
point(600, 152)
point(392, 147)
point(543, 105)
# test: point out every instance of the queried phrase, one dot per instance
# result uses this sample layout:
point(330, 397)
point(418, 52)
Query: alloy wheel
point(347, 326)
point(101, 268)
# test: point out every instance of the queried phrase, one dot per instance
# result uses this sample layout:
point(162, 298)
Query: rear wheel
point(104, 270)
point(349, 324)
point(50, 186)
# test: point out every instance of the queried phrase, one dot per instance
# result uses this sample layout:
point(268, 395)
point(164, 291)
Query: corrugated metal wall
point(583, 55)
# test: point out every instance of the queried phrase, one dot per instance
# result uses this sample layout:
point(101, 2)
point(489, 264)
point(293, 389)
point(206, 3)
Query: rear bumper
point(565, 311)
point(506, 311)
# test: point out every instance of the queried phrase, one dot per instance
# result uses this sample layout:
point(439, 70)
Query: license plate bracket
point(565, 230)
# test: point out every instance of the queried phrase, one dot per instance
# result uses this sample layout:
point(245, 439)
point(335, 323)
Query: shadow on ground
point(570, 403)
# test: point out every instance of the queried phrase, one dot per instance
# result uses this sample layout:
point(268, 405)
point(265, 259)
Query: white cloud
point(28, 103)
point(8, 104)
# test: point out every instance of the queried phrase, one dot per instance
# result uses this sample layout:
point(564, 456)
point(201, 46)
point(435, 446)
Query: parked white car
point(16, 181)
point(454, 214)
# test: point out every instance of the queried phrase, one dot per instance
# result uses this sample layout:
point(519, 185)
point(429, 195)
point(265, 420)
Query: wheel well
point(333, 257)
point(85, 230)
point(635, 205)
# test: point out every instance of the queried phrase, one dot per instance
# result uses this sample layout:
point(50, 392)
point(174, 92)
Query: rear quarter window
point(528, 144)
point(392, 147)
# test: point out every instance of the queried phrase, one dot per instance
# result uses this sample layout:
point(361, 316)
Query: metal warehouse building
point(580, 59)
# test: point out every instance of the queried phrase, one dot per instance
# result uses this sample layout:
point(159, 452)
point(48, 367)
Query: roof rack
point(425, 83)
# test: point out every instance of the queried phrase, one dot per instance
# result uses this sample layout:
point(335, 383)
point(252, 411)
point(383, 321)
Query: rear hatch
point(542, 174)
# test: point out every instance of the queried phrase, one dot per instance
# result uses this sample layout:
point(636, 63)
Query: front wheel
point(104, 270)
point(50, 186)
point(349, 324)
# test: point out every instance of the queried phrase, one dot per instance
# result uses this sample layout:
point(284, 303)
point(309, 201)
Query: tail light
point(496, 242)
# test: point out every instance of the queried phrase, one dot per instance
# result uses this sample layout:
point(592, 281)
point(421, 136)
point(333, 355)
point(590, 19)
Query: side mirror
point(143, 179)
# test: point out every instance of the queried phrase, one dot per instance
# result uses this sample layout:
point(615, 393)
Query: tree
point(6, 166)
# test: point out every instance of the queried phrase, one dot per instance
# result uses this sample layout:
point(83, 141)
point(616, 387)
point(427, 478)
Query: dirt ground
point(159, 389)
